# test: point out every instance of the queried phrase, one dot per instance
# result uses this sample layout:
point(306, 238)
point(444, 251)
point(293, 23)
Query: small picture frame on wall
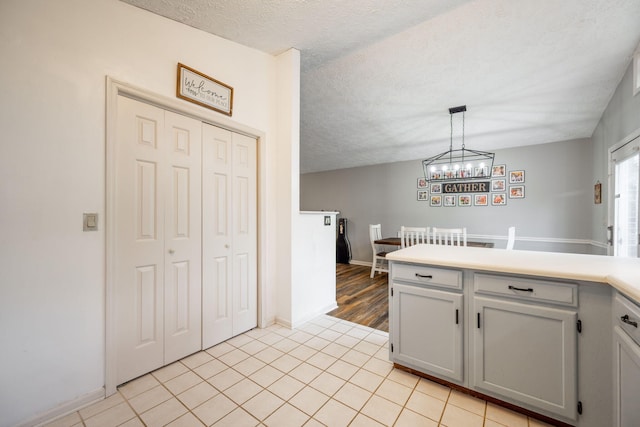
point(498, 171)
point(423, 195)
point(498, 199)
point(464, 199)
point(436, 200)
point(436, 188)
point(480, 199)
point(597, 193)
point(498, 184)
point(516, 192)
point(422, 182)
point(516, 177)
point(449, 200)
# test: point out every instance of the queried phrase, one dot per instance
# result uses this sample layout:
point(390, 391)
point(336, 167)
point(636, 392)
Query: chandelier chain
point(463, 130)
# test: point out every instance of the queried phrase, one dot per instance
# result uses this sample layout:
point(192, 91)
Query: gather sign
point(466, 187)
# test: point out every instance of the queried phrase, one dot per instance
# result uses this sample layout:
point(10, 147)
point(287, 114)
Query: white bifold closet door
point(229, 221)
point(157, 238)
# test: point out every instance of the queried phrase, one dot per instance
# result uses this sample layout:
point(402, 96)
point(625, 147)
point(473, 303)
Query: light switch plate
point(90, 222)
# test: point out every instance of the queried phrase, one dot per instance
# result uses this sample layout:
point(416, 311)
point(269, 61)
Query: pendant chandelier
point(460, 164)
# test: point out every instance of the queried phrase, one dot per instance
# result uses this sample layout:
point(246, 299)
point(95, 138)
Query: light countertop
point(621, 273)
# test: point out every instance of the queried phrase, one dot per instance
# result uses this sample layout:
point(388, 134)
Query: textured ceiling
point(378, 76)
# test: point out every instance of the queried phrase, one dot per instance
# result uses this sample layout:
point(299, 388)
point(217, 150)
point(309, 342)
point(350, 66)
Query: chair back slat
point(450, 236)
point(511, 239)
point(410, 236)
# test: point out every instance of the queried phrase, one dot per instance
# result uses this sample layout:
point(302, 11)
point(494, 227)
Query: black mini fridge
point(343, 250)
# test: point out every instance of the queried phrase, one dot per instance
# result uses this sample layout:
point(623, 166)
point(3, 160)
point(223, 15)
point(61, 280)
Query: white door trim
point(115, 88)
point(610, 181)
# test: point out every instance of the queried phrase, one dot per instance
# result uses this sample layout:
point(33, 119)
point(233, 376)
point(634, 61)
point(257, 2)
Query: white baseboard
point(65, 408)
point(309, 316)
point(283, 322)
point(356, 262)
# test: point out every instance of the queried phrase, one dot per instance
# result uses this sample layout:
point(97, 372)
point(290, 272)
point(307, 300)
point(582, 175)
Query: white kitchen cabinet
point(526, 354)
point(427, 322)
point(626, 362)
point(569, 294)
point(428, 330)
point(524, 343)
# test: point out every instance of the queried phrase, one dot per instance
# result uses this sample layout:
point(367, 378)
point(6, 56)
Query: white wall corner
point(287, 176)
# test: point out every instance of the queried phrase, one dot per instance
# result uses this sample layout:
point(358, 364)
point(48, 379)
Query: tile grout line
point(321, 336)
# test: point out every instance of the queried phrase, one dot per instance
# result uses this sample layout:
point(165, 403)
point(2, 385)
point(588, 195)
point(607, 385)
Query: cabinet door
point(626, 360)
point(427, 330)
point(526, 353)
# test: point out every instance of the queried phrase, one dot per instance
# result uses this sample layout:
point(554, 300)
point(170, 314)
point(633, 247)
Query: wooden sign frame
point(196, 87)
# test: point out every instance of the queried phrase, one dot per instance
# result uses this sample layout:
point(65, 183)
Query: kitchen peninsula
point(549, 334)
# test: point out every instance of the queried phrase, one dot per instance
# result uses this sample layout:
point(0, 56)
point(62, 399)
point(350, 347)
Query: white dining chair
point(410, 236)
point(450, 236)
point(379, 262)
point(511, 239)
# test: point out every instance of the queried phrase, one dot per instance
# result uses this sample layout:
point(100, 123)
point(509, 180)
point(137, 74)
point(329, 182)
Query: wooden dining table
point(395, 241)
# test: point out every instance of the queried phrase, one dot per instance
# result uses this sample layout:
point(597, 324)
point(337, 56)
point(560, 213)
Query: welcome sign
point(203, 90)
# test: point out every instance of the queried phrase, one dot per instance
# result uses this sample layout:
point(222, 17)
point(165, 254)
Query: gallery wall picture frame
point(516, 192)
point(498, 199)
point(498, 184)
point(436, 200)
point(449, 200)
point(422, 182)
point(597, 193)
point(480, 200)
point(423, 195)
point(464, 199)
point(197, 87)
point(498, 171)
point(435, 188)
point(516, 177)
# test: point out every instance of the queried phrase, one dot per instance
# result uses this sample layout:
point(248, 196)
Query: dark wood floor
point(361, 299)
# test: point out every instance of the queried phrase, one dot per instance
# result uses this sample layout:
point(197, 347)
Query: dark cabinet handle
point(456, 316)
point(478, 320)
point(424, 276)
point(626, 320)
point(520, 289)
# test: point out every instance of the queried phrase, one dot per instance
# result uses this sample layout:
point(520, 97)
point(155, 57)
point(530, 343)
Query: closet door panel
point(139, 242)
point(217, 318)
point(183, 283)
point(245, 300)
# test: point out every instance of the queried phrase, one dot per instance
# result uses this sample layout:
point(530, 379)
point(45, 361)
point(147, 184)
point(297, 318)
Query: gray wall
point(555, 214)
point(620, 119)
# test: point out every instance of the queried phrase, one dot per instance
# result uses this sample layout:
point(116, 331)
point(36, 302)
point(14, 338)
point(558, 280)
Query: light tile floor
point(329, 372)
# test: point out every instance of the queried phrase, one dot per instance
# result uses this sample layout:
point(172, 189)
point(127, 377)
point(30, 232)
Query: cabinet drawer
point(526, 289)
point(626, 314)
point(427, 275)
